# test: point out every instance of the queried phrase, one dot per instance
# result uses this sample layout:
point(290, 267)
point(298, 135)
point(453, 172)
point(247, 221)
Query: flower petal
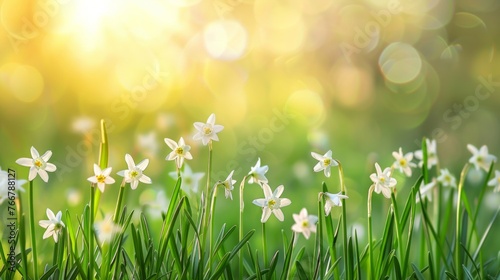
point(145, 179)
point(285, 202)
point(43, 174)
point(143, 164)
point(261, 202)
point(317, 156)
point(50, 214)
point(130, 161)
point(134, 184)
point(211, 119)
point(32, 173)
point(279, 214)
point(47, 155)
point(34, 153)
point(278, 191)
point(25, 162)
point(170, 143)
point(97, 169)
point(50, 167)
point(266, 213)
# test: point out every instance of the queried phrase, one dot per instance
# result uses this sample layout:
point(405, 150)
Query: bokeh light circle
point(400, 63)
point(22, 81)
point(225, 39)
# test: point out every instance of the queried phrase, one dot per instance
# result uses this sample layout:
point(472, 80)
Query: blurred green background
point(285, 78)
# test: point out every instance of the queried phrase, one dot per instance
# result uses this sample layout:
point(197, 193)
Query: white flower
point(432, 158)
point(134, 174)
point(190, 180)
point(446, 179)
point(258, 173)
point(383, 181)
point(481, 158)
point(4, 186)
point(425, 190)
point(228, 185)
point(148, 143)
point(495, 182)
point(53, 225)
point(180, 151)
point(272, 203)
point(101, 177)
point(304, 223)
point(106, 229)
point(38, 164)
point(207, 131)
point(325, 162)
point(333, 200)
point(403, 162)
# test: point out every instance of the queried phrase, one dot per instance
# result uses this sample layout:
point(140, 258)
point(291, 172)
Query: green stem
point(211, 223)
point(370, 237)
point(33, 232)
point(240, 229)
point(90, 234)
point(319, 238)
point(344, 220)
point(398, 232)
point(458, 229)
point(116, 216)
point(264, 243)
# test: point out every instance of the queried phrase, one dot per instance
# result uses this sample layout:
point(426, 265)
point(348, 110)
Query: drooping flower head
point(446, 179)
point(324, 162)
point(432, 158)
point(258, 173)
point(272, 202)
point(101, 177)
point(134, 173)
point(38, 164)
point(495, 182)
point(207, 131)
point(180, 151)
point(333, 200)
point(481, 158)
point(426, 190)
point(228, 185)
point(53, 225)
point(403, 162)
point(304, 223)
point(383, 181)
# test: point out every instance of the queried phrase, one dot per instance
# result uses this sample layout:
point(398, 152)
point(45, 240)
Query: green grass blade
point(417, 272)
point(301, 273)
point(288, 258)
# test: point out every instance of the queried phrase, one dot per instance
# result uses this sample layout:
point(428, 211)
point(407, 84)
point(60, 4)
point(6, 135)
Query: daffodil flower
point(325, 162)
point(383, 181)
point(333, 200)
point(190, 180)
point(425, 190)
point(207, 131)
point(106, 229)
point(101, 177)
point(134, 174)
point(258, 173)
point(272, 203)
point(446, 179)
point(432, 158)
point(228, 185)
point(53, 225)
point(481, 158)
point(38, 164)
point(180, 151)
point(304, 223)
point(495, 182)
point(403, 162)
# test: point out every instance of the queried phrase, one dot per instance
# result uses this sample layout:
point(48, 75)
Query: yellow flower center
point(101, 178)
point(207, 130)
point(382, 179)
point(38, 163)
point(58, 226)
point(402, 162)
point(179, 150)
point(327, 161)
point(305, 224)
point(134, 173)
point(479, 159)
point(226, 185)
point(271, 203)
